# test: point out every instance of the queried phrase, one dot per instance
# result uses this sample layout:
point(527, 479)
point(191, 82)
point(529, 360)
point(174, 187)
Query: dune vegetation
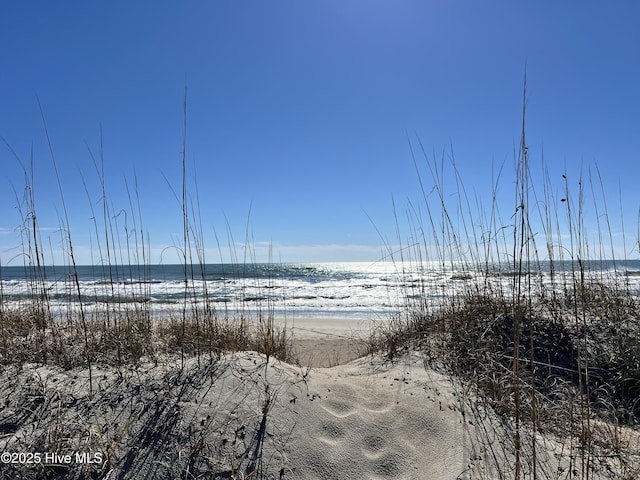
point(538, 332)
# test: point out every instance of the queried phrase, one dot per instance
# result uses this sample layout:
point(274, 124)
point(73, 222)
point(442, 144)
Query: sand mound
point(242, 416)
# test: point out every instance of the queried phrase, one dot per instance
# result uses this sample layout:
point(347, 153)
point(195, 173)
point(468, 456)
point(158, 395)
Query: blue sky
point(298, 114)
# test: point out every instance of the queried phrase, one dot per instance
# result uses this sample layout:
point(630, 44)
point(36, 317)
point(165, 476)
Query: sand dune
point(364, 419)
point(243, 416)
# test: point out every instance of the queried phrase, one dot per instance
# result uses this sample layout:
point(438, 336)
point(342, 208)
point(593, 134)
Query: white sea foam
point(309, 290)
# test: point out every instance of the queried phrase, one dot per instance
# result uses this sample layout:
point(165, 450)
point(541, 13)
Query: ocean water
point(338, 290)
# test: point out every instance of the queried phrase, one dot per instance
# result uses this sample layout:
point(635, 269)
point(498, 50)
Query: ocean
point(336, 290)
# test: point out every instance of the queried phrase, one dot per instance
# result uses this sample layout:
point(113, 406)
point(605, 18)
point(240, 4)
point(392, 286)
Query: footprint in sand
point(373, 446)
point(338, 408)
point(349, 400)
point(380, 404)
point(332, 433)
point(390, 465)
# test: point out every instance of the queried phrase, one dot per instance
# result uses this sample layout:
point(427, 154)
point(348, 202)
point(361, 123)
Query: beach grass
point(553, 358)
point(538, 331)
point(113, 340)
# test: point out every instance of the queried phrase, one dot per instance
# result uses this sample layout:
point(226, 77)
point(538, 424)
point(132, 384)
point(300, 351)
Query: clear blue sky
point(299, 111)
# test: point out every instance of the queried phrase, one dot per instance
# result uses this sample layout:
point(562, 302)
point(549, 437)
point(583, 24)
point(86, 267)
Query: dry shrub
point(131, 336)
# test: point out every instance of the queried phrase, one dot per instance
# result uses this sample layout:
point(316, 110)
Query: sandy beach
point(319, 240)
point(327, 342)
point(245, 416)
